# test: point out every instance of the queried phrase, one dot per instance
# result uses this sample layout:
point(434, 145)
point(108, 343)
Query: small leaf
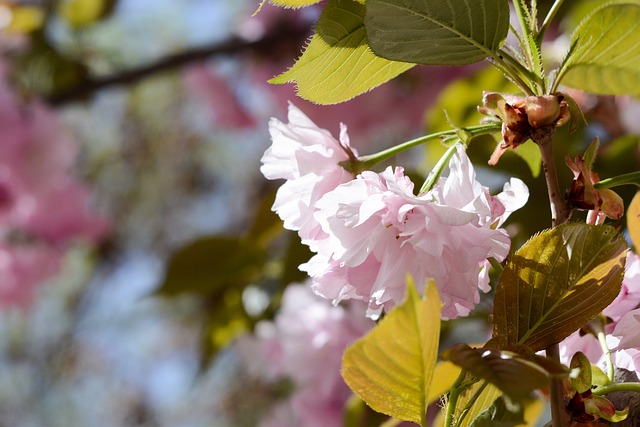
point(580, 377)
point(444, 376)
point(606, 59)
point(497, 415)
point(633, 220)
point(391, 368)
point(598, 377)
point(484, 400)
point(294, 3)
point(557, 282)
point(437, 32)
point(514, 374)
point(338, 64)
point(211, 264)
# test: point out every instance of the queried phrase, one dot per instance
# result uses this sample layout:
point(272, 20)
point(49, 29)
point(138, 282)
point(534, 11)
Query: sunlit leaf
point(294, 3)
point(391, 368)
point(555, 283)
point(80, 13)
point(25, 19)
point(338, 64)
point(437, 32)
point(483, 401)
point(444, 376)
point(606, 58)
point(515, 374)
point(633, 220)
point(211, 264)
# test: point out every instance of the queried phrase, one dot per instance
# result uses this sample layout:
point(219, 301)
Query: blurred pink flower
point(308, 158)
point(40, 200)
point(305, 344)
point(379, 232)
point(22, 270)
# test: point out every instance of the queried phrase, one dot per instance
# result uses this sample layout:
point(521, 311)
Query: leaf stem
point(611, 388)
point(607, 354)
point(434, 175)
point(496, 265)
point(497, 61)
point(547, 20)
point(453, 399)
point(356, 166)
point(628, 178)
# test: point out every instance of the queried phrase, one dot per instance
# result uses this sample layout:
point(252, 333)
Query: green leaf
point(498, 415)
point(557, 282)
point(391, 368)
point(437, 32)
point(484, 400)
point(212, 264)
point(338, 64)
point(598, 377)
point(606, 59)
point(294, 3)
point(515, 374)
point(580, 377)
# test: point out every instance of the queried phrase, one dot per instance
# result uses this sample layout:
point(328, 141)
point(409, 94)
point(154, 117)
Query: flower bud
point(542, 110)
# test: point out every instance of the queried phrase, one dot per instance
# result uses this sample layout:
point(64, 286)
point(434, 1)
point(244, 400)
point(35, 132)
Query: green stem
point(607, 354)
point(356, 166)
point(496, 265)
point(547, 20)
point(531, 76)
point(434, 175)
point(612, 388)
point(453, 399)
point(497, 61)
point(626, 179)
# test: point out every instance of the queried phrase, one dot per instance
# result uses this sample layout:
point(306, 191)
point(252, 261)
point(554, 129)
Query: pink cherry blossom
point(308, 158)
point(305, 343)
point(379, 231)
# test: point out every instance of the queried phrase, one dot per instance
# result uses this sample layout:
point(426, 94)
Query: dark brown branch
point(231, 47)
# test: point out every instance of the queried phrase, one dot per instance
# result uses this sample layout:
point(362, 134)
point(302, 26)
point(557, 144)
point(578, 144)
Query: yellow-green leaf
point(338, 64)
point(484, 400)
point(392, 368)
point(557, 282)
point(606, 53)
point(294, 3)
point(633, 220)
point(444, 376)
point(25, 19)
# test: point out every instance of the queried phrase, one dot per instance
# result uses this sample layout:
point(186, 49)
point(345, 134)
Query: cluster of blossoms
point(42, 206)
point(304, 344)
point(370, 231)
point(623, 317)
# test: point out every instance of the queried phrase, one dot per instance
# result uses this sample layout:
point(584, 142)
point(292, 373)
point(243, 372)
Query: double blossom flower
point(370, 232)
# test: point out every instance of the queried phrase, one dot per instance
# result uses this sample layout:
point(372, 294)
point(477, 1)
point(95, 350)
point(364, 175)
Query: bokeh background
point(137, 241)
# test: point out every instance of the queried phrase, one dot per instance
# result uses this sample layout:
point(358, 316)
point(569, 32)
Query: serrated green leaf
point(294, 3)
point(437, 32)
point(514, 374)
point(557, 282)
point(211, 264)
point(607, 55)
point(391, 368)
point(338, 64)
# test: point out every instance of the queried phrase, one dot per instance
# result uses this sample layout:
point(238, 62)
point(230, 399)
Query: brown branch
point(231, 47)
